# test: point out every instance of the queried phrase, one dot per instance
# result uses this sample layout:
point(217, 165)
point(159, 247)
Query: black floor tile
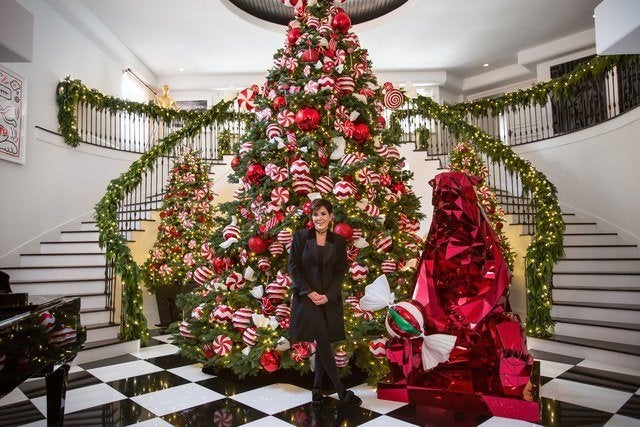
point(429, 416)
point(19, 413)
point(561, 414)
point(631, 408)
point(544, 380)
point(38, 387)
point(170, 361)
point(120, 413)
point(331, 413)
point(553, 357)
point(143, 384)
point(110, 361)
point(224, 412)
point(226, 387)
point(614, 380)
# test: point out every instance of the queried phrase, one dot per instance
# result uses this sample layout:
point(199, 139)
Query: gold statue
point(164, 100)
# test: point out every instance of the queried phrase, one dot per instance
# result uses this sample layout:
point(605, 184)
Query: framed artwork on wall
point(13, 99)
point(197, 104)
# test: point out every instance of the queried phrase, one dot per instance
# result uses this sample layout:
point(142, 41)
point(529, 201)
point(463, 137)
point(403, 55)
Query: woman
point(317, 264)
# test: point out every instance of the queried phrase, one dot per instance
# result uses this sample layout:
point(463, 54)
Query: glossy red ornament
point(361, 133)
point(219, 265)
point(308, 119)
point(310, 55)
point(257, 244)
point(308, 225)
point(399, 187)
point(382, 122)
point(293, 35)
point(255, 173)
point(343, 229)
point(279, 102)
point(341, 22)
point(306, 207)
point(270, 360)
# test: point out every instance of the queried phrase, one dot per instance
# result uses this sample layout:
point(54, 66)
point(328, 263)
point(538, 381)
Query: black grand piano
point(38, 337)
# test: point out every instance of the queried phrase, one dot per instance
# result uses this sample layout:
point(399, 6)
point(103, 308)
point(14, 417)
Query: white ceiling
point(206, 37)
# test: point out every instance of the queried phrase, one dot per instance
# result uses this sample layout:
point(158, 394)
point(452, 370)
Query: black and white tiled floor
point(155, 387)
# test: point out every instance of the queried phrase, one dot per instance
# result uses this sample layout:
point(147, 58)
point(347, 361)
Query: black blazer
point(305, 275)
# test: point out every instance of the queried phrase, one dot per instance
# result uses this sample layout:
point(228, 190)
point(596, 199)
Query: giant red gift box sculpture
point(456, 344)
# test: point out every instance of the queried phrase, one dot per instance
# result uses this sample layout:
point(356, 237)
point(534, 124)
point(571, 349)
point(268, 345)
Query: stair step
point(101, 343)
point(601, 251)
point(599, 344)
point(79, 236)
point(601, 295)
point(130, 224)
point(601, 354)
point(91, 246)
point(591, 238)
point(102, 331)
point(623, 313)
point(598, 280)
point(597, 332)
point(53, 287)
point(600, 265)
point(61, 259)
point(599, 323)
point(94, 316)
point(87, 272)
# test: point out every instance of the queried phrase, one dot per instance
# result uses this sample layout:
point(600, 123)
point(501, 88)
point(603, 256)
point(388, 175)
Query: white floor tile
point(612, 368)
point(175, 399)
point(156, 351)
point(153, 422)
point(123, 370)
point(268, 422)
point(384, 421)
point(274, 398)
point(75, 368)
point(370, 400)
point(14, 397)
point(604, 399)
point(83, 398)
point(622, 421)
point(553, 369)
point(506, 422)
point(192, 373)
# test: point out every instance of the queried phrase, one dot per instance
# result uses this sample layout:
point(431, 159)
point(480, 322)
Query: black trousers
point(325, 360)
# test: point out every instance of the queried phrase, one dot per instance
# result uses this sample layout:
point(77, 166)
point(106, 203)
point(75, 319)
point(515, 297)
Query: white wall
point(56, 183)
point(596, 171)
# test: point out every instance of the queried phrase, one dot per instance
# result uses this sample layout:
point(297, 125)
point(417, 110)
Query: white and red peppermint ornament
point(325, 28)
point(250, 336)
point(352, 158)
point(378, 347)
point(246, 98)
point(230, 231)
point(358, 70)
point(285, 237)
point(245, 147)
point(381, 149)
point(393, 153)
point(352, 300)
point(280, 196)
point(281, 175)
point(276, 248)
point(357, 233)
point(345, 84)
point(286, 118)
point(299, 169)
point(276, 291)
point(273, 131)
point(206, 251)
point(197, 312)
point(222, 345)
point(202, 274)
point(222, 314)
point(382, 243)
point(47, 320)
point(324, 184)
point(283, 278)
point(264, 264)
point(61, 336)
point(242, 318)
point(303, 185)
point(341, 55)
point(358, 271)
point(185, 330)
point(352, 253)
point(313, 22)
point(235, 281)
point(283, 310)
point(391, 197)
point(326, 82)
point(311, 87)
point(342, 358)
point(343, 190)
point(393, 99)
point(388, 266)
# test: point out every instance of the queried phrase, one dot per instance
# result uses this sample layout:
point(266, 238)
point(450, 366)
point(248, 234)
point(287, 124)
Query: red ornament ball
point(343, 229)
point(255, 173)
point(341, 22)
point(235, 162)
point(382, 122)
point(219, 265)
point(257, 244)
point(270, 360)
point(399, 187)
point(279, 102)
point(499, 226)
point(293, 35)
point(361, 133)
point(308, 119)
point(310, 55)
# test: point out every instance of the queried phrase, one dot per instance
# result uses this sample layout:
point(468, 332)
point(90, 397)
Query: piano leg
point(56, 393)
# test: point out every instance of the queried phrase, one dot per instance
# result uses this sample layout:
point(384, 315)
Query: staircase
point(596, 295)
point(74, 265)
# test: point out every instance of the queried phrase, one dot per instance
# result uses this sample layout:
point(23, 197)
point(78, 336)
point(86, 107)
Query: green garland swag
point(546, 245)
point(134, 323)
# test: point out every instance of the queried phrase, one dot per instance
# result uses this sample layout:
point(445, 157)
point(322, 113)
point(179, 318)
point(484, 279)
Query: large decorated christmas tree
point(318, 132)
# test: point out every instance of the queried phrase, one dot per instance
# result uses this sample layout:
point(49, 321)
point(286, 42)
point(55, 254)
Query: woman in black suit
point(317, 264)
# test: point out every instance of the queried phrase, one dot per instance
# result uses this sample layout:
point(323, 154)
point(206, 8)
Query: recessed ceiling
point(358, 10)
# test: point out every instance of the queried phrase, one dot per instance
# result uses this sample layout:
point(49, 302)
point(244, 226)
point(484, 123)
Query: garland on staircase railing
point(563, 87)
point(70, 93)
point(134, 323)
point(546, 245)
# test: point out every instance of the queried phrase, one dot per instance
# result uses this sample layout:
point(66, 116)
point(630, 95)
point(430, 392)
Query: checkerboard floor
point(156, 387)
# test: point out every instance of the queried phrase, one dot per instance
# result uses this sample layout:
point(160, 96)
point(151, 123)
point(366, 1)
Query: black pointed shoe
point(350, 399)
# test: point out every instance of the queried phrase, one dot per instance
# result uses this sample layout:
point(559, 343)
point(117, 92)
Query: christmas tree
point(318, 132)
point(186, 222)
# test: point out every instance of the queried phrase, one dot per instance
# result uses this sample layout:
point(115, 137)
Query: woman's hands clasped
point(318, 299)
